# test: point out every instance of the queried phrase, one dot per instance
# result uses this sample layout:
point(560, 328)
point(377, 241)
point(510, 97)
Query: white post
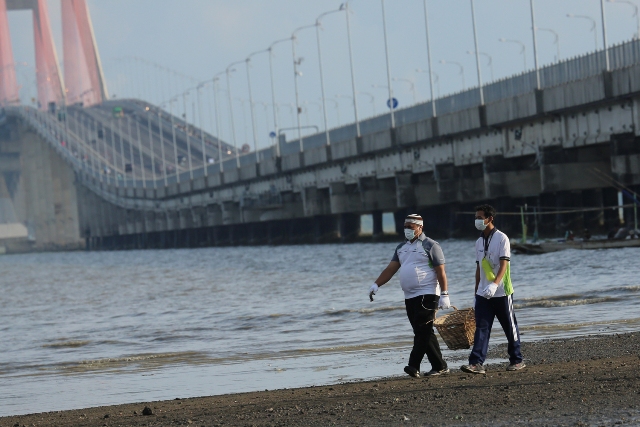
point(113, 153)
point(186, 131)
point(426, 27)
point(175, 145)
point(153, 154)
point(253, 119)
point(233, 128)
point(535, 44)
point(201, 124)
point(273, 96)
point(164, 162)
point(296, 63)
point(475, 42)
point(215, 96)
point(604, 36)
point(144, 179)
point(324, 102)
point(353, 78)
point(386, 51)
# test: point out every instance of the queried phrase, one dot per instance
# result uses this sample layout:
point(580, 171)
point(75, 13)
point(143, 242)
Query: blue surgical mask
point(409, 233)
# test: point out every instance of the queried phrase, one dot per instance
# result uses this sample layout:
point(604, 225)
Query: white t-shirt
point(494, 248)
point(417, 259)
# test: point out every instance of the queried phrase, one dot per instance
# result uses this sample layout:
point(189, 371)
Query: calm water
point(89, 329)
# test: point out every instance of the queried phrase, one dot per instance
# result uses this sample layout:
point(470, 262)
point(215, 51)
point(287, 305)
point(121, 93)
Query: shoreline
point(592, 380)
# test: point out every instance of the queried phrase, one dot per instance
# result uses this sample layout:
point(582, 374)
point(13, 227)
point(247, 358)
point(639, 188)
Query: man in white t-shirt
point(423, 279)
point(494, 293)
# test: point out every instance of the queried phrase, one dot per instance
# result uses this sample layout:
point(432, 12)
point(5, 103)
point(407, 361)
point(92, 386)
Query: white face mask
point(480, 225)
point(409, 233)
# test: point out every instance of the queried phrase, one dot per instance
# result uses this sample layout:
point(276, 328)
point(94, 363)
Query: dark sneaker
point(411, 371)
point(516, 366)
point(473, 369)
point(434, 373)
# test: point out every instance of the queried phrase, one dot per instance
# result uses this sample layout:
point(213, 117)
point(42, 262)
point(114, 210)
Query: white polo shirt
point(494, 248)
point(417, 259)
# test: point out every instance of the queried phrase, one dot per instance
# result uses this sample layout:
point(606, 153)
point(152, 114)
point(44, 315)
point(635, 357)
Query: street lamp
point(186, 131)
point(372, 100)
point(296, 63)
point(489, 62)
point(523, 49)
point(556, 40)
point(216, 79)
point(412, 87)
point(436, 80)
point(386, 52)
point(253, 120)
point(635, 13)
point(273, 95)
point(200, 122)
point(228, 71)
point(593, 26)
point(324, 104)
point(173, 135)
point(459, 65)
point(353, 78)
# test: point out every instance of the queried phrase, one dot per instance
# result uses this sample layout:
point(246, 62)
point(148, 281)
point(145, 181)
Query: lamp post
point(556, 40)
point(153, 153)
point(164, 162)
point(186, 131)
point(523, 49)
point(296, 73)
point(475, 42)
point(276, 131)
point(386, 51)
point(489, 58)
point(593, 26)
point(201, 124)
point(430, 71)
point(173, 135)
point(253, 120)
point(412, 87)
point(144, 179)
point(324, 103)
point(635, 13)
point(436, 80)
point(372, 100)
point(113, 152)
point(459, 65)
point(216, 79)
point(604, 35)
point(535, 44)
point(233, 129)
point(353, 78)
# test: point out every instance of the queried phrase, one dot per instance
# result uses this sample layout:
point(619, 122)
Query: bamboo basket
point(457, 328)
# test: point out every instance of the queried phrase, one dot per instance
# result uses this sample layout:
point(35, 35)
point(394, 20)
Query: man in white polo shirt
point(424, 282)
point(494, 293)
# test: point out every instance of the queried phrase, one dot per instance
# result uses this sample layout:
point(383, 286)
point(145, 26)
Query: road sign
point(272, 134)
point(392, 101)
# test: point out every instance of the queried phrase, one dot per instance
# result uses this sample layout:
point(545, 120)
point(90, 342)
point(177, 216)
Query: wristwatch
point(444, 293)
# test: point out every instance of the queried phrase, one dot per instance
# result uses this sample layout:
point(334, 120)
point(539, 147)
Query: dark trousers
point(486, 311)
point(421, 311)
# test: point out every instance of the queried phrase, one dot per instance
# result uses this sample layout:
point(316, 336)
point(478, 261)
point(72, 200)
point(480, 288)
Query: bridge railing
point(593, 64)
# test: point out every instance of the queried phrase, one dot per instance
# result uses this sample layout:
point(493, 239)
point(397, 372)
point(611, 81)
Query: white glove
point(490, 291)
point(372, 291)
point(444, 302)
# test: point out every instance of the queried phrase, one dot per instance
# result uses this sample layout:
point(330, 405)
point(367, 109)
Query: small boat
point(550, 246)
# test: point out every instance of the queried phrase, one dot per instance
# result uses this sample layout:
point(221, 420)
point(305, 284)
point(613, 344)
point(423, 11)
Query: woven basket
point(457, 328)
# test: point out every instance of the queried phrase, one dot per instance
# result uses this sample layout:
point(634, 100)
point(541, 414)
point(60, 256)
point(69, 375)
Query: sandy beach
point(581, 381)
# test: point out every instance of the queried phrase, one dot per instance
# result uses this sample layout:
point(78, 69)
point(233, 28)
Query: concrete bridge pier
point(349, 227)
point(377, 229)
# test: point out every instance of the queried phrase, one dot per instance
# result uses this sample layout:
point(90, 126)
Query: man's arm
point(477, 276)
point(388, 273)
point(442, 277)
point(501, 271)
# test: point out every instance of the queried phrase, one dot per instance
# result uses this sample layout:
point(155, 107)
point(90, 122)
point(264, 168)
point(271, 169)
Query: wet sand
point(574, 382)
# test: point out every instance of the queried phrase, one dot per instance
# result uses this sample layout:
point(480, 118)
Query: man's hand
point(490, 291)
point(444, 302)
point(372, 291)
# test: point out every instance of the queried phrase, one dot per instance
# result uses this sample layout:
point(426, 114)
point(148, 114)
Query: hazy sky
point(199, 38)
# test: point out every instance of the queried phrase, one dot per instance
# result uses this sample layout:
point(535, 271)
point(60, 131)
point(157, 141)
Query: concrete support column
point(377, 225)
point(349, 227)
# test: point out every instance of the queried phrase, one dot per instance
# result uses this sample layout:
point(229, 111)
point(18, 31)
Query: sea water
point(80, 329)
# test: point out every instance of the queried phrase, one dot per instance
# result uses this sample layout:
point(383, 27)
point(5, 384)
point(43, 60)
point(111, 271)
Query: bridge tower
point(82, 68)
